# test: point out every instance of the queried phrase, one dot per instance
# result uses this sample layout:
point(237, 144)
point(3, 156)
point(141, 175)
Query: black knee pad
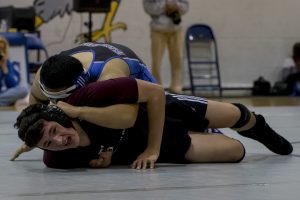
point(245, 116)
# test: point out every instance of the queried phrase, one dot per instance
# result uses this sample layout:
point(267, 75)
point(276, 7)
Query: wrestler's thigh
point(214, 148)
point(221, 115)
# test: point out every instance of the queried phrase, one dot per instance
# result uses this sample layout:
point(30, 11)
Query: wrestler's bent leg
point(207, 148)
point(247, 124)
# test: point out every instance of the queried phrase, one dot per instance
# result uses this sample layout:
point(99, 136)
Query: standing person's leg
point(158, 45)
point(247, 124)
point(175, 48)
point(11, 95)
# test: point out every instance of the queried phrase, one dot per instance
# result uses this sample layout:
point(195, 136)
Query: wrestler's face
point(57, 138)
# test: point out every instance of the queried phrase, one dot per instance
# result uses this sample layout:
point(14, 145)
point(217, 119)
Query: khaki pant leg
point(175, 45)
point(158, 45)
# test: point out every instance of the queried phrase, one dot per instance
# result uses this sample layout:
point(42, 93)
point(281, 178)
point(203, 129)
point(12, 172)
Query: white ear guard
point(81, 81)
point(57, 95)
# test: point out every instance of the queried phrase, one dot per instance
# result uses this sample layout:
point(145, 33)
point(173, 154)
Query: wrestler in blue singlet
point(103, 52)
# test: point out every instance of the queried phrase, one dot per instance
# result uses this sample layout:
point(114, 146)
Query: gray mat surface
point(261, 175)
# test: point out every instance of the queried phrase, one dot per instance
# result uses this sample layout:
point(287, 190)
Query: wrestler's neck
point(86, 58)
point(84, 139)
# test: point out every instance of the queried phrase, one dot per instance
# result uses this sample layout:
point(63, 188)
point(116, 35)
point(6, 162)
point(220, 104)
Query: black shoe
point(267, 136)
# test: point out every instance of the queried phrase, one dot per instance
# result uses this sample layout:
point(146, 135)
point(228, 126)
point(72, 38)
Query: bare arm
point(117, 116)
point(124, 115)
point(154, 96)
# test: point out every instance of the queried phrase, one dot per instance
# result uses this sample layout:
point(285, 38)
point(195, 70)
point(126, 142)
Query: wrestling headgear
point(30, 122)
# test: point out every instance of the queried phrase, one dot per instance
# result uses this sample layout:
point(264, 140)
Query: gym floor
point(261, 175)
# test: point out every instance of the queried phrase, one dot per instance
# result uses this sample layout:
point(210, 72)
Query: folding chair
point(202, 57)
point(34, 43)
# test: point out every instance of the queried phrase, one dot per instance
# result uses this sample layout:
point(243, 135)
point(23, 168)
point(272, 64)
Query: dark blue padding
point(196, 32)
point(14, 38)
point(33, 41)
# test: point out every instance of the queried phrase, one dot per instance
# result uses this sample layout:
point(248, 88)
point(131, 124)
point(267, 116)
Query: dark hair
point(296, 51)
point(60, 71)
point(30, 122)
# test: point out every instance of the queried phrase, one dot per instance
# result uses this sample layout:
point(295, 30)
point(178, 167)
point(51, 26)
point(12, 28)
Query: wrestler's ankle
point(264, 134)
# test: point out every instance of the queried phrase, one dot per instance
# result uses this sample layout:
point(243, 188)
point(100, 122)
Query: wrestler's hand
point(24, 148)
point(147, 157)
point(71, 111)
point(103, 161)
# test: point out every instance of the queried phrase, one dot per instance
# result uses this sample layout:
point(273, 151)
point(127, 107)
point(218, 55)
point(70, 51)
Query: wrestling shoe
point(263, 133)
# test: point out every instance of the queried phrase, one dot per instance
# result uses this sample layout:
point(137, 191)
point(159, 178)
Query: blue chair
point(202, 58)
point(34, 43)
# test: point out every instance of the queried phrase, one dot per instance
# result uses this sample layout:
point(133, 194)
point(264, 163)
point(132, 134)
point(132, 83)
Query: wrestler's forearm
point(156, 115)
point(154, 96)
point(117, 116)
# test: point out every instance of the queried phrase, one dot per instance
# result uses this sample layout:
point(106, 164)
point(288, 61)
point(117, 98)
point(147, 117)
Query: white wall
point(254, 36)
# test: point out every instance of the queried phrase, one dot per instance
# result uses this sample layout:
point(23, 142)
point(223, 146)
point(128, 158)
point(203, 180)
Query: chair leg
point(192, 86)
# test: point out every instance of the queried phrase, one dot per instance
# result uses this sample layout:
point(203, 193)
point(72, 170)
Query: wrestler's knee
point(237, 151)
